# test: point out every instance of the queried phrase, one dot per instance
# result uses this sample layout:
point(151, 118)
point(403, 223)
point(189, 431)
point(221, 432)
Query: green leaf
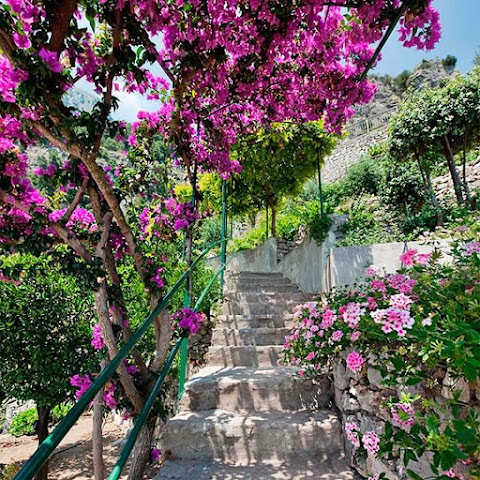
point(413, 475)
point(407, 456)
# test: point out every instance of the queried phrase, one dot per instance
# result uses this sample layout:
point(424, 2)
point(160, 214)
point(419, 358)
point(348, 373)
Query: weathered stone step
point(245, 278)
point(259, 307)
point(333, 469)
point(243, 389)
point(241, 439)
point(249, 336)
point(263, 286)
point(267, 320)
point(235, 275)
point(245, 356)
point(267, 297)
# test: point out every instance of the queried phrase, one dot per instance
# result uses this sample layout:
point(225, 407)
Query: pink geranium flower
point(355, 362)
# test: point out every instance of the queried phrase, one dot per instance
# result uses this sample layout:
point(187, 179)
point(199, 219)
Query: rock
point(422, 467)
point(374, 377)
point(451, 384)
point(340, 375)
point(376, 467)
point(349, 404)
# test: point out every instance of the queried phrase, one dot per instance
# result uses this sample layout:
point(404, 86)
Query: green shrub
point(449, 61)
point(254, 237)
point(209, 232)
point(318, 227)
point(9, 472)
point(305, 214)
point(368, 224)
point(288, 225)
point(403, 187)
point(24, 423)
point(59, 412)
point(333, 195)
point(364, 177)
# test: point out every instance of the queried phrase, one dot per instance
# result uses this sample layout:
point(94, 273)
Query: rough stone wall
point(427, 73)
point(444, 186)
point(348, 152)
point(360, 398)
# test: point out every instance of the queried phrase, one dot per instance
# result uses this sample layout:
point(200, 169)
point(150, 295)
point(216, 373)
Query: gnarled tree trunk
point(427, 184)
point(97, 436)
point(142, 452)
point(42, 433)
point(457, 185)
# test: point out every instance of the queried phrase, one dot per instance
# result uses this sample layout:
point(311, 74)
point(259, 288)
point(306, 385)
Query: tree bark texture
point(97, 435)
point(457, 185)
point(142, 452)
point(42, 433)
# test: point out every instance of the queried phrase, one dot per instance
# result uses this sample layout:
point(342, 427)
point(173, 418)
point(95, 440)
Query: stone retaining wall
point(348, 152)
point(444, 186)
point(360, 398)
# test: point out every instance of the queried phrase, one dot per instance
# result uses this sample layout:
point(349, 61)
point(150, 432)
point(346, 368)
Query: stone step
point(259, 307)
point(249, 336)
point(245, 356)
point(267, 297)
point(235, 275)
point(241, 439)
point(243, 389)
point(332, 469)
point(267, 320)
point(256, 286)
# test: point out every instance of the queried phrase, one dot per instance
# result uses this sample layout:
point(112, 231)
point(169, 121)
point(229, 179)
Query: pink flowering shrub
point(406, 325)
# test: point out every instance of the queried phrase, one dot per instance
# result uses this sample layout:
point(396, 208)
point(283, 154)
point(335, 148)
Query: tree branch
point(60, 15)
point(76, 201)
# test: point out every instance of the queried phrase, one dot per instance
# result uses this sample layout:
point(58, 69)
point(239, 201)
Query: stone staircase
point(244, 417)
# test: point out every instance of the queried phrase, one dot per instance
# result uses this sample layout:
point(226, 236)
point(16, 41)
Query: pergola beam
point(384, 40)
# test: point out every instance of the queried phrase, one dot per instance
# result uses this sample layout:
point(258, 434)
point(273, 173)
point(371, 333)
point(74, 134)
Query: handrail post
point(183, 367)
point(223, 253)
point(184, 345)
point(320, 192)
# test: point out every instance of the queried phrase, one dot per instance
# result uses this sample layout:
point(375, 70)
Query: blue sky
point(460, 37)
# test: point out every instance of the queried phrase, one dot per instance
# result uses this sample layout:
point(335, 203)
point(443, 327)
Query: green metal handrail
point(142, 418)
point(182, 345)
point(47, 447)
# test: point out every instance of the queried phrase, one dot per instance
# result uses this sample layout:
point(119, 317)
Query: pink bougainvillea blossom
point(156, 453)
point(97, 338)
point(82, 382)
point(189, 320)
point(109, 396)
point(157, 279)
point(51, 59)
